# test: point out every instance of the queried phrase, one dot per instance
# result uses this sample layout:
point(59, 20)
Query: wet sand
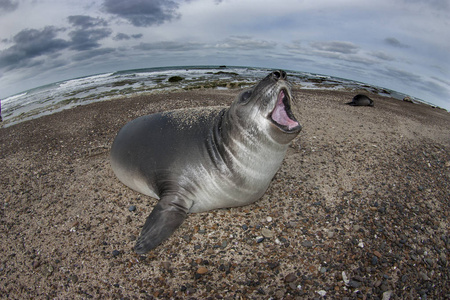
point(359, 209)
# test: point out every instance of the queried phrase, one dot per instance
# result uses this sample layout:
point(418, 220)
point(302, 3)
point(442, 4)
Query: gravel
point(359, 209)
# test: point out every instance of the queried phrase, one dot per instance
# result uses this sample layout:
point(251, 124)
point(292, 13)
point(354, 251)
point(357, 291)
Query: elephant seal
point(195, 160)
point(361, 100)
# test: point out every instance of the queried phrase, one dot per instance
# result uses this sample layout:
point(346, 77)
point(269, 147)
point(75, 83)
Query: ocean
point(66, 94)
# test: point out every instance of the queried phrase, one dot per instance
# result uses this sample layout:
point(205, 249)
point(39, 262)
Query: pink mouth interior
point(279, 114)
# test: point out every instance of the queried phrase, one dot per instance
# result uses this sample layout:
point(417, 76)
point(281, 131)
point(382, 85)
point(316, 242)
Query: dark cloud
point(123, 36)
point(143, 13)
point(89, 31)
point(8, 5)
point(87, 39)
point(35, 47)
point(86, 21)
point(335, 47)
point(30, 44)
point(394, 42)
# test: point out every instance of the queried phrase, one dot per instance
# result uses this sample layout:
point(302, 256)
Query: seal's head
point(267, 106)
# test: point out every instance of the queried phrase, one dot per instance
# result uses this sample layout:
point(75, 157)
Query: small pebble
point(73, 278)
point(259, 239)
point(273, 265)
point(36, 264)
point(245, 227)
point(202, 270)
point(354, 284)
point(290, 277)
point(115, 253)
point(132, 208)
point(307, 244)
point(387, 295)
point(378, 254)
point(166, 265)
point(269, 219)
point(423, 276)
point(374, 260)
point(267, 233)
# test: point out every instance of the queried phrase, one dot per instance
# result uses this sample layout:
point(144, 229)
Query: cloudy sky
point(398, 44)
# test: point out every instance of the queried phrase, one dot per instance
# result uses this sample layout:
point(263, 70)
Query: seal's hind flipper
point(166, 217)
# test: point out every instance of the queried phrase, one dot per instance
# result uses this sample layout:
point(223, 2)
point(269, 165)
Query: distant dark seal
point(195, 160)
point(361, 100)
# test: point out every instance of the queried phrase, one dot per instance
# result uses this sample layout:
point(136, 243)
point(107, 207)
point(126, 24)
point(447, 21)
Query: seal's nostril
point(276, 75)
point(279, 75)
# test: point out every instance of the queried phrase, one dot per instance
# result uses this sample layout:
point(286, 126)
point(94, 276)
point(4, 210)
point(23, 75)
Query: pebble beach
point(358, 210)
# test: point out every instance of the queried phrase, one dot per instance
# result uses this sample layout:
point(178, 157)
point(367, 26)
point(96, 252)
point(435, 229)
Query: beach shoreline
point(359, 206)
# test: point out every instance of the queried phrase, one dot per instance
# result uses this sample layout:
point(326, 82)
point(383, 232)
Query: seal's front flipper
point(165, 218)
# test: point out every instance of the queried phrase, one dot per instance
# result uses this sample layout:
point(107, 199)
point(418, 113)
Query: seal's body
point(361, 100)
point(200, 159)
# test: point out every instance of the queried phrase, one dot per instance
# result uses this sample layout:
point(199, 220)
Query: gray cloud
point(35, 47)
point(8, 6)
point(434, 4)
point(123, 36)
point(86, 21)
point(143, 13)
point(92, 53)
point(30, 44)
point(417, 81)
point(381, 55)
point(446, 82)
point(335, 50)
point(244, 43)
point(394, 42)
point(170, 46)
point(335, 47)
point(88, 39)
point(402, 75)
point(88, 33)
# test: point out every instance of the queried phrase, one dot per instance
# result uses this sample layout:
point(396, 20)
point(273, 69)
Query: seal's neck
point(246, 143)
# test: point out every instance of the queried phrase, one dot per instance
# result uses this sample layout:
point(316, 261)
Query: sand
point(359, 209)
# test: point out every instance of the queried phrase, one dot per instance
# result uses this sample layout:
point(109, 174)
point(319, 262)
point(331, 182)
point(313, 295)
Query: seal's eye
point(245, 96)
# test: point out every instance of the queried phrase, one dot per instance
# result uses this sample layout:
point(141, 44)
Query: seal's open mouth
point(282, 115)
